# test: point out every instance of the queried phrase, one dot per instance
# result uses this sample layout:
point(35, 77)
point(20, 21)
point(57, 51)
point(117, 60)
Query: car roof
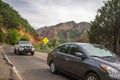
point(77, 43)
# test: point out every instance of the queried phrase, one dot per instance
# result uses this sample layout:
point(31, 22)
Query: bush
point(12, 36)
point(24, 37)
point(2, 36)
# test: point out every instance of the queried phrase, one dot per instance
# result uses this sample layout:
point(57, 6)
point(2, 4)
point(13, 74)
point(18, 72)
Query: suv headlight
point(32, 48)
point(21, 47)
point(111, 71)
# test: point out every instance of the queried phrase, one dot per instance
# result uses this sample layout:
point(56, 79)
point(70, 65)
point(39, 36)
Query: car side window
point(74, 49)
point(63, 49)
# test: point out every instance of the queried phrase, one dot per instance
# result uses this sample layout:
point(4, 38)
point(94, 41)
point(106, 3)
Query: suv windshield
point(98, 51)
point(24, 42)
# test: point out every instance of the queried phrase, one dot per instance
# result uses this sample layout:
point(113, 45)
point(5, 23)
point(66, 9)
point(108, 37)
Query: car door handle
point(67, 59)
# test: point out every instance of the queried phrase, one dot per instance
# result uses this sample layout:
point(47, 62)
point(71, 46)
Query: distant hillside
point(10, 20)
point(63, 32)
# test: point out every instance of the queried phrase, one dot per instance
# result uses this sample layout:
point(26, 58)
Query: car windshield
point(24, 42)
point(98, 51)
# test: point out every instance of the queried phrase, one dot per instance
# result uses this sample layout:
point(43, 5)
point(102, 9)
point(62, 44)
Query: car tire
point(17, 52)
point(92, 76)
point(53, 68)
point(32, 53)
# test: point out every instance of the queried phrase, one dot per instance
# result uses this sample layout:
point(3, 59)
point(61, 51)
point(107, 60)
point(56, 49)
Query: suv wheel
point(53, 68)
point(17, 52)
point(92, 76)
point(14, 51)
point(32, 53)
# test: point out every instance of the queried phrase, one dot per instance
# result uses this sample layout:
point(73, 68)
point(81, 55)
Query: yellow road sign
point(45, 40)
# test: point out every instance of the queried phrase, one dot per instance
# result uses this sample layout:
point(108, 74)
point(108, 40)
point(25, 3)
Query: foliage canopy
point(105, 29)
point(12, 22)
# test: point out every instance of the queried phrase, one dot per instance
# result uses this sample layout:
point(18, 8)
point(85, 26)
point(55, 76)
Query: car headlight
point(33, 49)
point(111, 71)
point(21, 46)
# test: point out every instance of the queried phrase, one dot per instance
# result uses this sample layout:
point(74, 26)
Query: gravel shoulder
point(7, 71)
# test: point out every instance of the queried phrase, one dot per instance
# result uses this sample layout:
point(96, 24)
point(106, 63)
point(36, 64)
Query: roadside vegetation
point(47, 47)
point(105, 29)
point(11, 23)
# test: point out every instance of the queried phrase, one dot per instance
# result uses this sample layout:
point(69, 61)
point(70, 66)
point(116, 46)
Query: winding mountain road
point(32, 67)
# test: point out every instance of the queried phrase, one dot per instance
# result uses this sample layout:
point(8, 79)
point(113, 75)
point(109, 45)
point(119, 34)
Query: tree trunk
point(115, 40)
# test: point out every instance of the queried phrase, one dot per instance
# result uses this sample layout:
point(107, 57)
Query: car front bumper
point(25, 50)
point(109, 78)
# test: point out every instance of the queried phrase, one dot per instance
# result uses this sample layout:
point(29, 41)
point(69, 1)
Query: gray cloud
point(41, 13)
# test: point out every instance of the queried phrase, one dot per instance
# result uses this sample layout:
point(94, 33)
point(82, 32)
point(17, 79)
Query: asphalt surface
point(32, 67)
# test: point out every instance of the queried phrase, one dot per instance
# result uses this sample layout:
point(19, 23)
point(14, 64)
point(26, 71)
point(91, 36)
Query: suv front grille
point(27, 47)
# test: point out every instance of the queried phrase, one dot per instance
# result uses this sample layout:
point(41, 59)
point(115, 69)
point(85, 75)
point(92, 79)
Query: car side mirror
point(79, 54)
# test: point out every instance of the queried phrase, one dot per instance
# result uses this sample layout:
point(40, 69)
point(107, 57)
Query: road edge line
point(13, 66)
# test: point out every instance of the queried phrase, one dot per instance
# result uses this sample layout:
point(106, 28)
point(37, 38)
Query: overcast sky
point(41, 13)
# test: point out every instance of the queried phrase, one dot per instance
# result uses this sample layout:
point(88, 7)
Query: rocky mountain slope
point(64, 32)
point(12, 22)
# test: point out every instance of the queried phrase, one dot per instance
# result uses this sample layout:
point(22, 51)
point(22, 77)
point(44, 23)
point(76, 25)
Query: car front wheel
point(32, 53)
point(92, 76)
point(53, 68)
point(14, 51)
point(17, 52)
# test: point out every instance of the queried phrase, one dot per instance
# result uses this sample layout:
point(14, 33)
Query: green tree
point(24, 37)
point(62, 36)
point(105, 29)
point(10, 19)
point(54, 43)
point(1, 20)
point(2, 36)
point(12, 37)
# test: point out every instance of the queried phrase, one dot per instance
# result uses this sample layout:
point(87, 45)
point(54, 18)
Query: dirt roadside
point(6, 69)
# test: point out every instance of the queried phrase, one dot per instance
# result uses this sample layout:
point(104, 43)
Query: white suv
point(24, 47)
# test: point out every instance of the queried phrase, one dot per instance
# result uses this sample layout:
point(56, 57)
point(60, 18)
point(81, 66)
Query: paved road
point(32, 67)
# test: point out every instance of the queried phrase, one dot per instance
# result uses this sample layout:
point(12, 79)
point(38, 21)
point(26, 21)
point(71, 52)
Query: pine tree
point(105, 29)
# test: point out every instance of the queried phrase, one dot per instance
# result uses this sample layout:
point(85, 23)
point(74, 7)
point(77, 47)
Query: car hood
point(113, 62)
